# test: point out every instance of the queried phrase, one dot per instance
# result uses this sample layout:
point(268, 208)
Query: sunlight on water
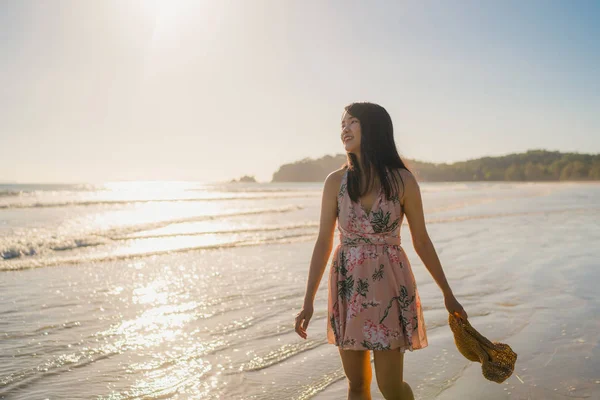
point(149, 186)
point(194, 228)
point(151, 245)
point(160, 336)
point(197, 299)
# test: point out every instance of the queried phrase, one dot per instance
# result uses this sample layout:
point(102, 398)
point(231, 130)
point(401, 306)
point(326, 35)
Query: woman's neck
point(363, 178)
point(360, 164)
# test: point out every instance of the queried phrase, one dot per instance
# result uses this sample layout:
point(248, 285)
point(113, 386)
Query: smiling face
point(351, 133)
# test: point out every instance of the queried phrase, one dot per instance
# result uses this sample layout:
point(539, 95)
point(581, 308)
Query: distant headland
point(244, 179)
point(533, 165)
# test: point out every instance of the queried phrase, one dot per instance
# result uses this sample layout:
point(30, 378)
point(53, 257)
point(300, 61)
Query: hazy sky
point(212, 90)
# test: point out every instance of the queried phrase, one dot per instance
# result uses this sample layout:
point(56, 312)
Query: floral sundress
point(373, 302)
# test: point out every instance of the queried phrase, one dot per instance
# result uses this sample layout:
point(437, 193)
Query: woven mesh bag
point(497, 359)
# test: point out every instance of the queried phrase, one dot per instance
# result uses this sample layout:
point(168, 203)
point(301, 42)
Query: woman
point(373, 300)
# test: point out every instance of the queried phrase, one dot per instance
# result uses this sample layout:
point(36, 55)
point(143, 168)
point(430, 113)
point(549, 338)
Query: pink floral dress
point(373, 302)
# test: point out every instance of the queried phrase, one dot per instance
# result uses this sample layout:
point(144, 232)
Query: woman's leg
point(389, 370)
point(357, 366)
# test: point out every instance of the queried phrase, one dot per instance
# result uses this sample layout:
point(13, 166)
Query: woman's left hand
point(452, 305)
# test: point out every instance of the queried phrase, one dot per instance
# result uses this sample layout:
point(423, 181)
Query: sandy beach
point(200, 308)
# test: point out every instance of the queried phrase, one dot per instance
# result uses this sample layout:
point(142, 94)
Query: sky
point(211, 90)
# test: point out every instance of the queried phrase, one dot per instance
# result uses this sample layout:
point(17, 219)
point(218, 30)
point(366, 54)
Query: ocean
point(177, 290)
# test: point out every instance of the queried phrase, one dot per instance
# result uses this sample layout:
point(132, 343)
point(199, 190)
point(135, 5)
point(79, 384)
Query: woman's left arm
point(413, 208)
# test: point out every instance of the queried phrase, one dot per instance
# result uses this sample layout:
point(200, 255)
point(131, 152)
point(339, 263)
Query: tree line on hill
point(533, 165)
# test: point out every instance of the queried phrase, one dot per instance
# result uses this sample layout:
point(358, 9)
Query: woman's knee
point(357, 367)
point(396, 391)
point(359, 385)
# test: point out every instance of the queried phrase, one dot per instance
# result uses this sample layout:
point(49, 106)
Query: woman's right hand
point(302, 319)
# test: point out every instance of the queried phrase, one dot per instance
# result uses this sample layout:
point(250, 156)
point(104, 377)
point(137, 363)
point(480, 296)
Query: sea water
point(189, 290)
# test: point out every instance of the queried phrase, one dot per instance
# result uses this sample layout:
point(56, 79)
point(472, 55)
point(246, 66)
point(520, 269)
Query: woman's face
point(350, 133)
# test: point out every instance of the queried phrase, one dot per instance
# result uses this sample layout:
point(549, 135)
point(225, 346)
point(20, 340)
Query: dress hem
point(402, 348)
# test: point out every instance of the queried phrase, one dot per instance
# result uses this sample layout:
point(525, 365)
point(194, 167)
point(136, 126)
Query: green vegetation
point(534, 165)
point(244, 179)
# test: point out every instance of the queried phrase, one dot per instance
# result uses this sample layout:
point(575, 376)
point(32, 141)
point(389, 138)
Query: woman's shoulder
point(334, 178)
point(406, 175)
point(338, 173)
point(407, 183)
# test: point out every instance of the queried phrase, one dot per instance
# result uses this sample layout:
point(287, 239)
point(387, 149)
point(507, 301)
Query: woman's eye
point(350, 123)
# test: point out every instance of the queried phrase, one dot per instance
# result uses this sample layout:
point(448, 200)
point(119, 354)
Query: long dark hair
point(377, 151)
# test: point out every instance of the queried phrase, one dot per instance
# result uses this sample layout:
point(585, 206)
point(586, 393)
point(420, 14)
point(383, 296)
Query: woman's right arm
point(321, 251)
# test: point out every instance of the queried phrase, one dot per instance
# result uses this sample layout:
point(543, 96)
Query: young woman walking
point(373, 302)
